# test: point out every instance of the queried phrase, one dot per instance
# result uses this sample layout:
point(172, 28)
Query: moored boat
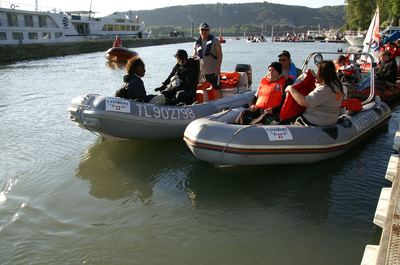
point(218, 140)
point(118, 118)
point(20, 26)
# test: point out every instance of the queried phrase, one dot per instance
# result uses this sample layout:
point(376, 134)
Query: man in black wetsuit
point(180, 86)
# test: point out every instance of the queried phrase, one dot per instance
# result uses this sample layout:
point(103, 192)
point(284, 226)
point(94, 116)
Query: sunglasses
point(282, 60)
point(204, 29)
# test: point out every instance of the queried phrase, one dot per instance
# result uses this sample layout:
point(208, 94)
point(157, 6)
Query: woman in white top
point(323, 103)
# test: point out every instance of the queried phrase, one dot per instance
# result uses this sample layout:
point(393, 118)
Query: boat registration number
point(118, 105)
point(278, 134)
point(165, 113)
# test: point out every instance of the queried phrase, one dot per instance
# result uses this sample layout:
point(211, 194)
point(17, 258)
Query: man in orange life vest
point(268, 99)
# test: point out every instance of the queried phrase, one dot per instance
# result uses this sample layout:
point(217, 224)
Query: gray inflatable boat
point(216, 139)
point(118, 118)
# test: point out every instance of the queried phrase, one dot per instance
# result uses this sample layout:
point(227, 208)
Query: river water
point(67, 197)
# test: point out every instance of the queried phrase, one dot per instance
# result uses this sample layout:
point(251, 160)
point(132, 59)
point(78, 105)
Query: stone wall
point(14, 53)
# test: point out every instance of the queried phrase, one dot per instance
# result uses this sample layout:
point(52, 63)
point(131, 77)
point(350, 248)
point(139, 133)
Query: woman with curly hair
point(134, 86)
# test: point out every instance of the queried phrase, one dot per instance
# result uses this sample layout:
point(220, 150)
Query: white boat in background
point(28, 27)
point(354, 39)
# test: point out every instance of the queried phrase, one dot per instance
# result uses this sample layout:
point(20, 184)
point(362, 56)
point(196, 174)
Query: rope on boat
point(233, 136)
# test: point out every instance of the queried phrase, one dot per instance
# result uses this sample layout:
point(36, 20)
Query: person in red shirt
point(117, 42)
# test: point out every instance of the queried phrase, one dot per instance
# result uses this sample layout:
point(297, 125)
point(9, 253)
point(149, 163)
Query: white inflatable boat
point(216, 139)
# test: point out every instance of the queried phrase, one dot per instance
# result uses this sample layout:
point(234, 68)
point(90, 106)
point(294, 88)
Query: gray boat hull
point(216, 140)
point(118, 118)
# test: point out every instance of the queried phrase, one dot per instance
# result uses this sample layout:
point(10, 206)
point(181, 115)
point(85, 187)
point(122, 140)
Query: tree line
point(360, 12)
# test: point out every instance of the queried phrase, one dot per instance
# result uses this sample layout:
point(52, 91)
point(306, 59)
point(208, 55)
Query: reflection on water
point(118, 169)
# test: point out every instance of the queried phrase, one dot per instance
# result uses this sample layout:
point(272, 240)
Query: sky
point(105, 7)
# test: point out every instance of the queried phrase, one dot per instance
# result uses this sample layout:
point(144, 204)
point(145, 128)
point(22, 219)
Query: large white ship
point(24, 26)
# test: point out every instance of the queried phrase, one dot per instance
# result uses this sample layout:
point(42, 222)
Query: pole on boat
point(90, 8)
point(36, 5)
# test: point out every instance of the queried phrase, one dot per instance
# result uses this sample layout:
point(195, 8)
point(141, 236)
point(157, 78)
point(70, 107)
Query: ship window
point(46, 35)
point(12, 20)
point(119, 27)
point(17, 36)
point(108, 27)
point(33, 35)
point(58, 35)
point(42, 22)
point(3, 36)
point(28, 20)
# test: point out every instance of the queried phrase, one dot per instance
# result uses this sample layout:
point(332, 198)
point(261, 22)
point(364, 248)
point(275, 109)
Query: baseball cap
point(277, 66)
point(204, 26)
point(284, 53)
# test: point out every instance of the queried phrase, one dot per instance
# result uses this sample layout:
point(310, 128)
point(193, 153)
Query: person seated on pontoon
point(289, 70)
point(386, 73)
point(323, 103)
point(266, 104)
point(117, 42)
point(180, 86)
point(133, 87)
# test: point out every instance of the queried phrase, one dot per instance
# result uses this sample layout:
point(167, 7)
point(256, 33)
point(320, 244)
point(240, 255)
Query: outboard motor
point(246, 68)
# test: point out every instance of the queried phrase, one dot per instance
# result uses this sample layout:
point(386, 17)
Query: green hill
point(235, 18)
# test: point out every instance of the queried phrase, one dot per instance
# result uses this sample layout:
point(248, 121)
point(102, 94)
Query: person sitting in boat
point(289, 70)
point(266, 104)
point(180, 86)
point(386, 73)
point(208, 49)
point(347, 71)
point(323, 103)
point(117, 42)
point(133, 87)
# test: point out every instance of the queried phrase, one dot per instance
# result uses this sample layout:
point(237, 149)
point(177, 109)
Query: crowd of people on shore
point(321, 105)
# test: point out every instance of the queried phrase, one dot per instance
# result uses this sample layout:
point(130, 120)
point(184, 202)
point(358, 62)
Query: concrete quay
point(387, 216)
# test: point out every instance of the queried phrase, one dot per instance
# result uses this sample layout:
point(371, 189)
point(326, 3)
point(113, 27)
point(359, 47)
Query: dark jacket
point(387, 71)
point(187, 73)
point(135, 88)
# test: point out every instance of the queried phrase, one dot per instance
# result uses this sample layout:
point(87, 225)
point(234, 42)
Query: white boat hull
point(217, 140)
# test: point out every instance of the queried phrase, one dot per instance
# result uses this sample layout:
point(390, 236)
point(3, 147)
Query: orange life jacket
point(269, 93)
point(229, 79)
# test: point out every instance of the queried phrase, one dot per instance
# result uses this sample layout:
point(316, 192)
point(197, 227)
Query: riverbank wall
point(14, 53)
point(387, 216)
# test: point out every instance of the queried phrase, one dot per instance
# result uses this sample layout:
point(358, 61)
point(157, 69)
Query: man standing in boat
point(208, 49)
